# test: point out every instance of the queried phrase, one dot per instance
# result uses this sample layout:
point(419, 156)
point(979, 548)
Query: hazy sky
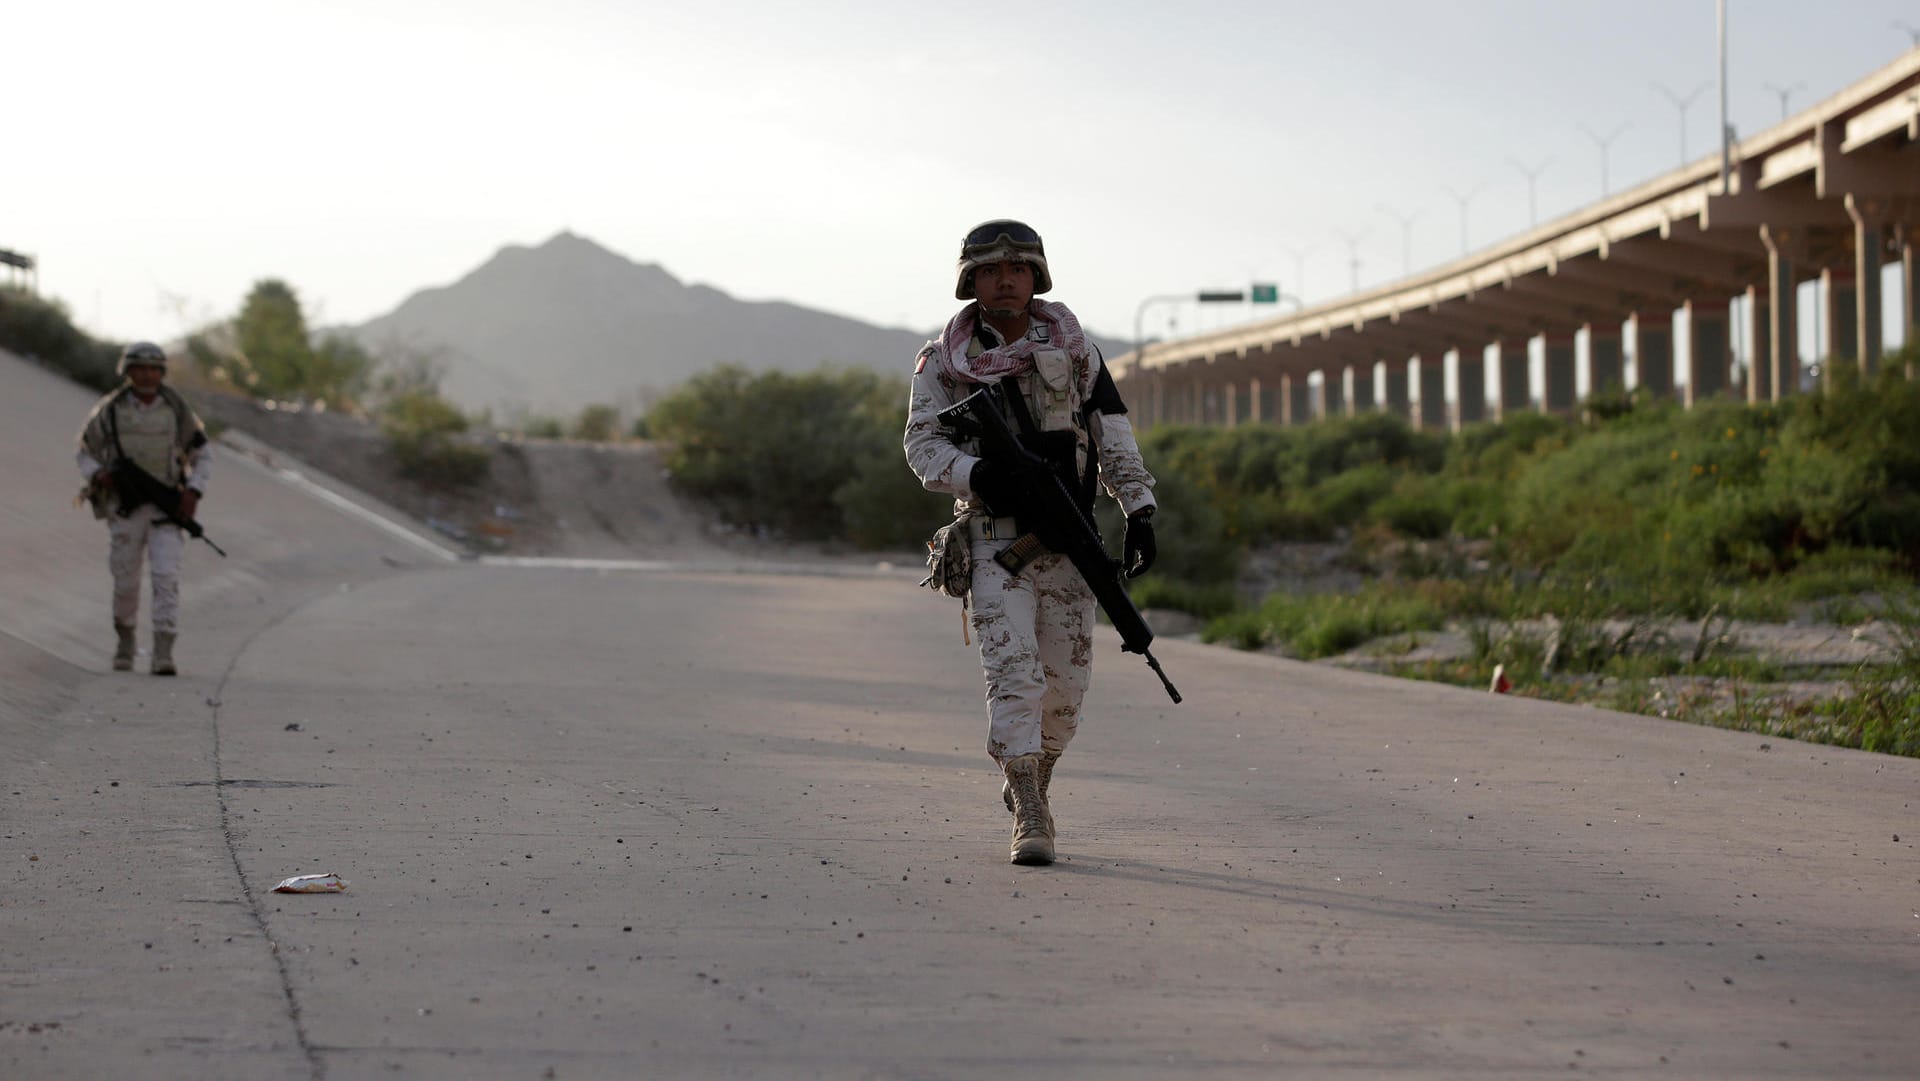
point(160, 158)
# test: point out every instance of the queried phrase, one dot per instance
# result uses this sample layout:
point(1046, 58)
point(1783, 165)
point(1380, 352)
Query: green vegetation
point(268, 352)
point(813, 456)
point(423, 430)
point(41, 328)
point(597, 424)
point(427, 434)
point(1564, 547)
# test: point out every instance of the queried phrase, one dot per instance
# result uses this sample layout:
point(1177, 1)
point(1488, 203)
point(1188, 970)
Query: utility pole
point(1682, 104)
point(1533, 218)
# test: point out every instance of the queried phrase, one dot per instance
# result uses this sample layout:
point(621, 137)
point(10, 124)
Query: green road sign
point(1266, 294)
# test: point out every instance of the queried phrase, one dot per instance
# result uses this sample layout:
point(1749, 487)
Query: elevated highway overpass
point(1830, 197)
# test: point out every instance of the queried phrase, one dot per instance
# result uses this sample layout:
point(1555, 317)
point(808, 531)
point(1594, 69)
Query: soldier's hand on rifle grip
point(1138, 550)
point(189, 503)
point(992, 484)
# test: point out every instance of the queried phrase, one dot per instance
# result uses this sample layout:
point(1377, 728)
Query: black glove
point(992, 484)
point(1138, 549)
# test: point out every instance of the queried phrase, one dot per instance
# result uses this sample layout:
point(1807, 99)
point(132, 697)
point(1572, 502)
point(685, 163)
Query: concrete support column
point(1784, 249)
point(1869, 241)
point(1256, 403)
point(1470, 372)
point(1710, 367)
point(1516, 395)
point(1653, 352)
point(1759, 327)
point(1333, 392)
point(1399, 389)
point(1433, 392)
point(1606, 364)
point(1361, 400)
point(1910, 282)
point(1299, 400)
point(1838, 303)
point(1558, 395)
point(1230, 402)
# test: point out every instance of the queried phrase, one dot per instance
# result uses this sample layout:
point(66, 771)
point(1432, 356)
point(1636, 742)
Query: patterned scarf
point(1015, 357)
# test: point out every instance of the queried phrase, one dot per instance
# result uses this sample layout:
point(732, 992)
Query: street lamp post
point(1463, 200)
point(1139, 321)
point(1603, 143)
point(1258, 294)
point(1299, 268)
point(1531, 175)
point(1353, 254)
point(1406, 236)
point(1785, 92)
point(1682, 104)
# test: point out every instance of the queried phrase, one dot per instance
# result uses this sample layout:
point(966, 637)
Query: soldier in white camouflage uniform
point(147, 423)
point(1035, 628)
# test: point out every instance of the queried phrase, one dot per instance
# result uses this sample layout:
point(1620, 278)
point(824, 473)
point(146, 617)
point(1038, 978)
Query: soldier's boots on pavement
point(1032, 840)
point(163, 654)
point(123, 652)
point(1047, 761)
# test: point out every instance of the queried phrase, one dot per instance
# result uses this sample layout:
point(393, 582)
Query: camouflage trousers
point(1036, 649)
point(140, 537)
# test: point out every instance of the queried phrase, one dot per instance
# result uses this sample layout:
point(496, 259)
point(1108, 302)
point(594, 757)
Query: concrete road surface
point(678, 823)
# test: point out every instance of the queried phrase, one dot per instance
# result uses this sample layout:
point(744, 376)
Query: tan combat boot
point(1047, 761)
point(1032, 843)
point(163, 654)
point(123, 653)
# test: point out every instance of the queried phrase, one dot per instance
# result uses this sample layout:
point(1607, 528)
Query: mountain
point(569, 323)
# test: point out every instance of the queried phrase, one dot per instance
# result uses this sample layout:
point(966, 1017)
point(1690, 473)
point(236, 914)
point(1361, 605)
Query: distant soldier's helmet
point(999, 241)
point(142, 353)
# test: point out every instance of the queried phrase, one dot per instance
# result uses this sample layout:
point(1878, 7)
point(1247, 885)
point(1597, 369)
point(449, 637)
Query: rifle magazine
point(1021, 552)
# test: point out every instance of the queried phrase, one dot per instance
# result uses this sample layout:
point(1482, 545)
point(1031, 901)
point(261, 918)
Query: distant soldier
point(1035, 627)
point(144, 426)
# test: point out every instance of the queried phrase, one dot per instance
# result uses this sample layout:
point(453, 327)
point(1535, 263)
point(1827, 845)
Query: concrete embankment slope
point(116, 845)
point(608, 824)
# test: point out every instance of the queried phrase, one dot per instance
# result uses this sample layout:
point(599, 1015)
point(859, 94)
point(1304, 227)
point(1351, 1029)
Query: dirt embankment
point(540, 497)
point(555, 498)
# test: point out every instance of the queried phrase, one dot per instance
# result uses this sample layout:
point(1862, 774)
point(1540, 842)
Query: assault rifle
point(137, 487)
point(1051, 515)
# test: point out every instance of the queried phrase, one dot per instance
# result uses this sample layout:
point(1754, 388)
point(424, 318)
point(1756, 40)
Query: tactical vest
point(149, 437)
point(1056, 406)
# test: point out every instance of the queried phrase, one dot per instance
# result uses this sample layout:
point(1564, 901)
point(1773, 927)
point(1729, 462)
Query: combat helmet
point(998, 241)
point(141, 353)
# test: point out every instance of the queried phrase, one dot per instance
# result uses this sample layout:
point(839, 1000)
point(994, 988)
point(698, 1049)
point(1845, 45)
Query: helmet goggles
point(1002, 232)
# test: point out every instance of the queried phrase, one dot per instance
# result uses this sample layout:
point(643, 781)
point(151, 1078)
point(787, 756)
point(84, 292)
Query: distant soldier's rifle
point(1046, 508)
point(137, 487)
